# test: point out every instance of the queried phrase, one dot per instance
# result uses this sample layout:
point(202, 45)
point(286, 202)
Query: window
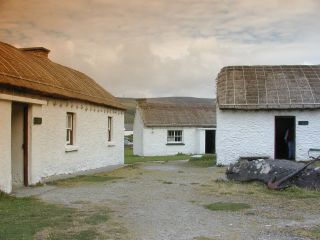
point(70, 129)
point(174, 136)
point(109, 129)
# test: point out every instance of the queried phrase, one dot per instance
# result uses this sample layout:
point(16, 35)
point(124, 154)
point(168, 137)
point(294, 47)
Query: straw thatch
point(178, 112)
point(269, 87)
point(30, 71)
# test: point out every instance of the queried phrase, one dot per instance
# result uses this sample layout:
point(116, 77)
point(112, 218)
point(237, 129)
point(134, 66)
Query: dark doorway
point(210, 141)
point(19, 144)
point(285, 137)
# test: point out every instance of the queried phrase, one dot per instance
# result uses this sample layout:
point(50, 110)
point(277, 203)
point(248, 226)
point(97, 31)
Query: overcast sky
point(153, 48)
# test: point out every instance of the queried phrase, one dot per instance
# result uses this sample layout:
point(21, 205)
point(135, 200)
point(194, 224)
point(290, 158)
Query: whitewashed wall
point(51, 156)
point(48, 153)
point(247, 133)
point(152, 141)
point(155, 141)
point(5, 146)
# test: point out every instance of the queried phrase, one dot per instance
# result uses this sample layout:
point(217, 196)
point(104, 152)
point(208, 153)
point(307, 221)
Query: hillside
point(131, 104)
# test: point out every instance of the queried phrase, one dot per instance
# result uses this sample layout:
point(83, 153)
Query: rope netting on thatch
point(269, 87)
point(180, 112)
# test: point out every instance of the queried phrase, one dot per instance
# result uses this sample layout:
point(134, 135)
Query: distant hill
point(131, 104)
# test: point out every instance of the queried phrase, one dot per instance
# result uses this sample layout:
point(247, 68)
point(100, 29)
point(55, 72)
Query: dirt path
point(159, 201)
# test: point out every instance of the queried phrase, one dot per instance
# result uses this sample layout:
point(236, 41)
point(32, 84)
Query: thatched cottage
point(54, 120)
point(167, 126)
point(270, 111)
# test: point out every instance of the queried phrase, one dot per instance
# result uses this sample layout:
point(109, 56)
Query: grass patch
point(313, 233)
point(129, 158)
point(30, 218)
point(293, 193)
point(82, 235)
point(83, 179)
point(97, 218)
point(204, 238)
point(22, 218)
point(227, 206)
point(167, 182)
point(207, 160)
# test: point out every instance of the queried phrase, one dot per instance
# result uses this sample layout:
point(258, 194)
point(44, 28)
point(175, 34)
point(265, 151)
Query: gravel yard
point(166, 200)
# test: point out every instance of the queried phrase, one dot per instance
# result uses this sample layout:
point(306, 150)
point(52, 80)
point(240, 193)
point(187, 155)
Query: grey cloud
point(163, 47)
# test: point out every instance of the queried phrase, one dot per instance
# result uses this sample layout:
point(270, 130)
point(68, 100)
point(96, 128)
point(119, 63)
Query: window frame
point(173, 136)
point(70, 129)
point(110, 129)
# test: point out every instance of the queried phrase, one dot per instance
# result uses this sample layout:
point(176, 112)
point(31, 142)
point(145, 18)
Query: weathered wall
point(17, 142)
point(5, 146)
point(91, 150)
point(247, 133)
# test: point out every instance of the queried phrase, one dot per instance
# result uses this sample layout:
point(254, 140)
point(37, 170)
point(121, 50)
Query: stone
point(265, 169)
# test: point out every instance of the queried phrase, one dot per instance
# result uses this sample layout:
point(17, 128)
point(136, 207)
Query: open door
point(285, 137)
point(19, 145)
point(210, 141)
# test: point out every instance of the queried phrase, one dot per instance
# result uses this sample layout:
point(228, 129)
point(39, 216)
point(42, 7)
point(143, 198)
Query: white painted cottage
point(167, 126)
point(54, 120)
point(258, 105)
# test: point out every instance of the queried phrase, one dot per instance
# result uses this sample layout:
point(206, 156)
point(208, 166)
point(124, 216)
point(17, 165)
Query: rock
point(265, 169)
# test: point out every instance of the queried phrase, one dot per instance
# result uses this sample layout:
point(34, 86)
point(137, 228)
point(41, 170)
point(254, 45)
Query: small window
point(174, 136)
point(70, 129)
point(109, 129)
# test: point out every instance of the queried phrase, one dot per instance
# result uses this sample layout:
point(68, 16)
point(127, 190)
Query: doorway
point(285, 137)
point(19, 144)
point(210, 141)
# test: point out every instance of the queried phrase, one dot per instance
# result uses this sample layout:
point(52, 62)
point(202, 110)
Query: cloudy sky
point(152, 48)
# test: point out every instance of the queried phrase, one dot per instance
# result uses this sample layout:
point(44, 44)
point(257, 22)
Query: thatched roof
point(269, 87)
point(178, 112)
point(29, 70)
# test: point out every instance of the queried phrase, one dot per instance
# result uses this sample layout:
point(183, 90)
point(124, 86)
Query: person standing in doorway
point(289, 139)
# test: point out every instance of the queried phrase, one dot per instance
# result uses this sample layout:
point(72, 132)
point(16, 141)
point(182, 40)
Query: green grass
point(82, 235)
point(167, 182)
point(227, 206)
point(25, 218)
point(312, 233)
point(207, 160)
point(293, 193)
point(83, 179)
point(21, 218)
point(315, 232)
point(97, 218)
point(129, 158)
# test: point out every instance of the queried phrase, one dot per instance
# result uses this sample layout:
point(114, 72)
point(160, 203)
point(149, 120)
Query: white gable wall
point(251, 133)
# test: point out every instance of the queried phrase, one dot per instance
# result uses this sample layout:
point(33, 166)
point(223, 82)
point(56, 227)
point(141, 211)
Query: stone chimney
point(38, 51)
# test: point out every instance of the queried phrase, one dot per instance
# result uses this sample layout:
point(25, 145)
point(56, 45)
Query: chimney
point(38, 51)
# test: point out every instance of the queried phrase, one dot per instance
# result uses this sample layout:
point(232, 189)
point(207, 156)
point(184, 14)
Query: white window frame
point(174, 135)
point(70, 119)
point(110, 129)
